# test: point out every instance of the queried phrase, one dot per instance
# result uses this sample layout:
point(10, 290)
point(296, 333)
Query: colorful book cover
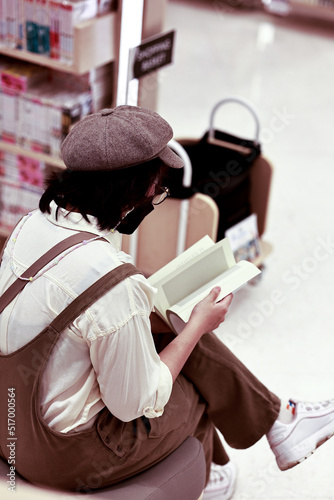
point(30, 170)
point(30, 25)
point(19, 24)
point(244, 239)
point(54, 8)
point(20, 76)
point(42, 20)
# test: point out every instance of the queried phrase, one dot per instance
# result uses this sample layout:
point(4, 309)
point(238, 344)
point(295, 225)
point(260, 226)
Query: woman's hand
point(205, 317)
point(208, 314)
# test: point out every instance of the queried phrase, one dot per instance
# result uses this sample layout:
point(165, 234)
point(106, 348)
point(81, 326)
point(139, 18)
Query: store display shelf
point(94, 45)
point(311, 9)
point(15, 149)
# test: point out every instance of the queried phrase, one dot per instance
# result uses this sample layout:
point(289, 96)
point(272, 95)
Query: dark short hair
point(103, 194)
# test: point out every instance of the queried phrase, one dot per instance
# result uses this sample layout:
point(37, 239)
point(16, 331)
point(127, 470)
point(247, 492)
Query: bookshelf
point(94, 45)
point(52, 161)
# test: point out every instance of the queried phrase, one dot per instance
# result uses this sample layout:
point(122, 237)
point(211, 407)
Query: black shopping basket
point(221, 167)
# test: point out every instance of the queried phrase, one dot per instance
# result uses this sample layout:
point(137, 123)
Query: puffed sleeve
point(133, 381)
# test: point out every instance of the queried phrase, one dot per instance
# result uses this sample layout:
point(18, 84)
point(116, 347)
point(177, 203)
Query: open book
point(188, 278)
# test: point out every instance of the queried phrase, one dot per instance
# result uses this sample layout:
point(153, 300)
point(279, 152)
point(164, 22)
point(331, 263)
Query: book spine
point(10, 24)
point(5, 28)
point(20, 139)
point(55, 124)
point(10, 103)
point(43, 126)
point(66, 33)
point(25, 121)
point(2, 23)
point(46, 126)
point(20, 187)
point(1, 113)
point(19, 24)
point(22, 200)
point(42, 20)
point(54, 7)
point(35, 126)
point(10, 202)
point(30, 25)
point(70, 115)
point(9, 166)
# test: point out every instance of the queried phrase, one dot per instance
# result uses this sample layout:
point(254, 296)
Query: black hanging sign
point(152, 54)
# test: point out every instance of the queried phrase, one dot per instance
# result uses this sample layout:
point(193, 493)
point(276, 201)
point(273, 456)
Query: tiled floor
point(286, 69)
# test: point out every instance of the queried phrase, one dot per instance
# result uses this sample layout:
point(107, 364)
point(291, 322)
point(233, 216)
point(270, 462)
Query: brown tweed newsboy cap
point(117, 138)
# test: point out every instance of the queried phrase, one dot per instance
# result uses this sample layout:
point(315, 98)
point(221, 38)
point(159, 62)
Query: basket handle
point(184, 206)
point(246, 104)
point(188, 169)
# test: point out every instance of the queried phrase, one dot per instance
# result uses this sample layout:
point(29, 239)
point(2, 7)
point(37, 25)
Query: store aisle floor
point(286, 69)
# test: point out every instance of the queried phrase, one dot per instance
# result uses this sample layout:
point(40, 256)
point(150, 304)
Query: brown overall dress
point(214, 389)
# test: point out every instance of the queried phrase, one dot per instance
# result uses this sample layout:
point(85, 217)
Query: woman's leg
point(238, 404)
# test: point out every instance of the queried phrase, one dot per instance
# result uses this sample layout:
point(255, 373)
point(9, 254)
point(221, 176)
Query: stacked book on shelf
point(46, 27)
point(21, 186)
point(39, 106)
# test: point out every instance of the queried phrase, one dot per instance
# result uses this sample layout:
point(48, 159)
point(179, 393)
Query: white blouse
point(107, 356)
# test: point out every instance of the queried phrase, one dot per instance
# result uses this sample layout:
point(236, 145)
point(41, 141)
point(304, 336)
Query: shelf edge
point(18, 150)
point(81, 64)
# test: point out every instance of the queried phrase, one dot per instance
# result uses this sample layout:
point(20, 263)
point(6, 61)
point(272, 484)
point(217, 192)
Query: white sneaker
point(312, 425)
point(221, 483)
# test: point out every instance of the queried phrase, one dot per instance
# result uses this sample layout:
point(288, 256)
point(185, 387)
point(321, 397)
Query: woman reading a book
point(104, 389)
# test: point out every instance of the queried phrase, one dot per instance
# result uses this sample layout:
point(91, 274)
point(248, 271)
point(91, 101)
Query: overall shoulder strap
point(19, 284)
point(92, 294)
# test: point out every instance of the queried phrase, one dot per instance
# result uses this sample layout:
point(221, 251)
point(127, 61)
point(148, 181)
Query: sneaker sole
point(286, 466)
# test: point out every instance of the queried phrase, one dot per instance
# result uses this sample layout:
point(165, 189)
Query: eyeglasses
point(161, 193)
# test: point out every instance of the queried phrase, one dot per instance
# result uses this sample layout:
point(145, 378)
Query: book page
point(193, 276)
point(189, 272)
point(229, 282)
point(157, 279)
point(180, 260)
